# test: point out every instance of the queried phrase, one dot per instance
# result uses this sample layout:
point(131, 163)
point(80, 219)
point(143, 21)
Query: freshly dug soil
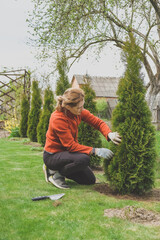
point(137, 215)
point(131, 213)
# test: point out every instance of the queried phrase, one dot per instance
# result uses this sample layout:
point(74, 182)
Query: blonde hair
point(71, 97)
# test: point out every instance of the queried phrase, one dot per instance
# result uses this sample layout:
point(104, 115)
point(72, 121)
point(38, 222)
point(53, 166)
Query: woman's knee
point(92, 180)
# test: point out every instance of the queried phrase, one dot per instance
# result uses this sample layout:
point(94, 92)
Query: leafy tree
point(75, 26)
point(24, 116)
point(63, 82)
point(45, 116)
point(87, 134)
point(34, 113)
point(132, 168)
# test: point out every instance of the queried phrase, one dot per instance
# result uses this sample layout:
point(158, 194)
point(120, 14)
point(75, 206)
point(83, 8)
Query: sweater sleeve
point(61, 127)
point(95, 122)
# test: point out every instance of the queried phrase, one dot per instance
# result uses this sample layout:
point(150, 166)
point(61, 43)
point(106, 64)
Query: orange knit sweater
point(62, 134)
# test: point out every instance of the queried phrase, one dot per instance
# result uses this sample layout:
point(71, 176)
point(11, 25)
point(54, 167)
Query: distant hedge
point(45, 116)
point(34, 113)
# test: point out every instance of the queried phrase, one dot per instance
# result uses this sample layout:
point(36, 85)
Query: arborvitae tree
point(45, 116)
point(34, 113)
point(62, 82)
point(24, 116)
point(132, 168)
point(87, 134)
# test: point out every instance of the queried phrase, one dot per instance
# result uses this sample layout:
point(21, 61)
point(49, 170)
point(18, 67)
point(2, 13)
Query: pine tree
point(132, 168)
point(45, 116)
point(87, 134)
point(24, 116)
point(63, 82)
point(34, 113)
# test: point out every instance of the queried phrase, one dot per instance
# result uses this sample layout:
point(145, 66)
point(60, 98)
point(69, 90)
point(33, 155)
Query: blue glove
point(104, 152)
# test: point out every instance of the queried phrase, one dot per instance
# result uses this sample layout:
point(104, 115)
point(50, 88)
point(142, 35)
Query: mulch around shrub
point(104, 188)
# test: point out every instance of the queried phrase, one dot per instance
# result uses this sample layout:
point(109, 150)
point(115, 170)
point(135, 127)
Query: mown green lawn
point(78, 215)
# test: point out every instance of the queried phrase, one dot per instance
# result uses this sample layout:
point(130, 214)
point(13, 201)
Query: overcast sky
point(16, 53)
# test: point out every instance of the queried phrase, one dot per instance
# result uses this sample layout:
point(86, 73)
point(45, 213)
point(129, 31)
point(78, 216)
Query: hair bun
point(60, 99)
point(71, 97)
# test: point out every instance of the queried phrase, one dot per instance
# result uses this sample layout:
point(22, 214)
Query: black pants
point(74, 166)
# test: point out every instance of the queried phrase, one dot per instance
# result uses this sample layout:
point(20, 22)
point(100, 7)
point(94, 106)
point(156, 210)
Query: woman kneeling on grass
point(63, 156)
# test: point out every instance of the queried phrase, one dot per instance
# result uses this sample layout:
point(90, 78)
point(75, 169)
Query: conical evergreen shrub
point(34, 113)
point(87, 135)
point(24, 116)
point(132, 168)
point(45, 116)
point(62, 82)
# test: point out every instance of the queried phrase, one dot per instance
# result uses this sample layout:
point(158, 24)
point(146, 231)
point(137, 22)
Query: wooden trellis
point(10, 81)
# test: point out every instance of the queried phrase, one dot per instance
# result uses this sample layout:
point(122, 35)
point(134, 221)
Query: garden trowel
point(52, 197)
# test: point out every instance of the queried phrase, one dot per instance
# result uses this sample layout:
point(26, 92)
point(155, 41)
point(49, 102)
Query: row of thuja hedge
point(131, 170)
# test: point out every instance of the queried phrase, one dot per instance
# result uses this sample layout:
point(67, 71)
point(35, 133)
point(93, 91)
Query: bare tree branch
point(80, 51)
point(156, 7)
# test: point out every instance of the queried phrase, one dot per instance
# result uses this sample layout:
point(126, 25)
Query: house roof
point(103, 86)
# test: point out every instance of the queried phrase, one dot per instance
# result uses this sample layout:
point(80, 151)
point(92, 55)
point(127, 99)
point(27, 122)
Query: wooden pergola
point(10, 82)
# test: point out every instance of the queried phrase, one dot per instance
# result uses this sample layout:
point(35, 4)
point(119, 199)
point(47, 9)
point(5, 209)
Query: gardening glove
point(104, 152)
point(115, 137)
